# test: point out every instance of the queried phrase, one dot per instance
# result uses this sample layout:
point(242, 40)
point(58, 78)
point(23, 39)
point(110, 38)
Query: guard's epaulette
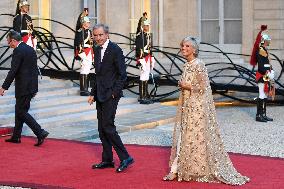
point(262, 52)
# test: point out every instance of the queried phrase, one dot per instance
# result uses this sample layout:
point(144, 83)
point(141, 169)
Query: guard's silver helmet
point(85, 19)
point(23, 3)
point(265, 37)
point(146, 23)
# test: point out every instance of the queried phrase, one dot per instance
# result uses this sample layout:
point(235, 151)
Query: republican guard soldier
point(83, 46)
point(23, 24)
point(264, 74)
point(145, 61)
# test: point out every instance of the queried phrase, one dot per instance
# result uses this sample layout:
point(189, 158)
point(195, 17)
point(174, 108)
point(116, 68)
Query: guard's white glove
point(271, 74)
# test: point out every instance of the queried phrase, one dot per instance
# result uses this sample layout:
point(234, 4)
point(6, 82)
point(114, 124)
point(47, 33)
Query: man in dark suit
point(107, 90)
point(25, 72)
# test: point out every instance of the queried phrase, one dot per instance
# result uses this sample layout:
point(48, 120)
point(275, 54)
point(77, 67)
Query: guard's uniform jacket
point(143, 45)
point(264, 78)
point(146, 63)
point(264, 66)
point(144, 54)
point(83, 47)
point(23, 24)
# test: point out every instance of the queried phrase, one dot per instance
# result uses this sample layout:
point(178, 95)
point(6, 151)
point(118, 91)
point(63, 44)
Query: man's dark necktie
point(98, 65)
point(100, 54)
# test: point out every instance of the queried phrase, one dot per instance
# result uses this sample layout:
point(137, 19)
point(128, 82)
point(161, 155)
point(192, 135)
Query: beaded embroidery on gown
point(201, 155)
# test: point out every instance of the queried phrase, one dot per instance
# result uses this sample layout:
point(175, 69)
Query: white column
point(98, 11)
point(199, 19)
point(221, 22)
point(85, 3)
point(132, 16)
point(142, 7)
point(106, 11)
point(161, 25)
point(40, 13)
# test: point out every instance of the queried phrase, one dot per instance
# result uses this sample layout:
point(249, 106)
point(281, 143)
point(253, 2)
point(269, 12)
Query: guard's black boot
point(264, 115)
point(84, 85)
point(140, 91)
point(143, 93)
point(86, 89)
point(260, 111)
point(146, 97)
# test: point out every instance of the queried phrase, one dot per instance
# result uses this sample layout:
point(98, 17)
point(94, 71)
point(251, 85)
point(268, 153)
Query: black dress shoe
point(13, 140)
point(103, 165)
point(40, 139)
point(124, 164)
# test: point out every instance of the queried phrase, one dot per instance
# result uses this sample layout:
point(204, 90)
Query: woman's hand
point(184, 86)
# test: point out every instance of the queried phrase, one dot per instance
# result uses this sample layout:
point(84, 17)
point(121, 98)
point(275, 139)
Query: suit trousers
point(22, 116)
point(107, 130)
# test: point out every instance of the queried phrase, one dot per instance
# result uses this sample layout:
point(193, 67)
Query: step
point(73, 120)
point(6, 99)
point(46, 86)
point(36, 103)
point(146, 117)
point(59, 110)
point(91, 114)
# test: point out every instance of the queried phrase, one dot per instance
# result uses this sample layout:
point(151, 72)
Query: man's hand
point(2, 91)
point(91, 100)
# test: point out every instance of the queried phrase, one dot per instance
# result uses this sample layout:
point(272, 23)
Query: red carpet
point(4, 131)
point(67, 164)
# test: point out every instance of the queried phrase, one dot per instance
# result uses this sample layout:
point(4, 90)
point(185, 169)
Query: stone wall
point(180, 18)
point(271, 13)
point(67, 12)
point(117, 17)
point(6, 7)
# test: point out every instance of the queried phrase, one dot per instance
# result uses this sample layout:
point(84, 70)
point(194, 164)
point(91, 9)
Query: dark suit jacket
point(24, 70)
point(110, 73)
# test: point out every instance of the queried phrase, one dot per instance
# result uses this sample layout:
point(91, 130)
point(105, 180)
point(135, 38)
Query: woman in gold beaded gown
point(198, 152)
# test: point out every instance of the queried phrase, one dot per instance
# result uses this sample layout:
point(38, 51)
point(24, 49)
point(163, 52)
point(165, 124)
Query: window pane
point(209, 9)
point(232, 9)
point(93, 11)
point(233, 32)
point(210, 31)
